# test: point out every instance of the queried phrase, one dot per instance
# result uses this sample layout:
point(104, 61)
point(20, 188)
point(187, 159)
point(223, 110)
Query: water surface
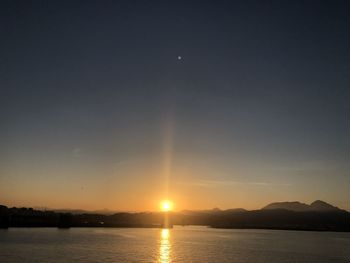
point(181, 244)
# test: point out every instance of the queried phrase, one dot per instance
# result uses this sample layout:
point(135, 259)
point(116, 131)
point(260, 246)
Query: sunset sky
point(121, 104)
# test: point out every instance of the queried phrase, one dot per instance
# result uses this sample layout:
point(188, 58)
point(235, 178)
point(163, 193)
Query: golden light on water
point(165, 246)
point(165, 234)
point(166, 205)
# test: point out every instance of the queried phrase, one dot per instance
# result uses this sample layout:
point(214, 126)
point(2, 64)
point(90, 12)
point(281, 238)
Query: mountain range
point(318, 216)
point(318, 205)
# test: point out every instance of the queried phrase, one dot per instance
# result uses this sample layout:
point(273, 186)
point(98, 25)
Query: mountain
point(235, 210)
point(318, 205)
point(212, 211)
point(81, 211)
point(318, 216)
point(292, 206)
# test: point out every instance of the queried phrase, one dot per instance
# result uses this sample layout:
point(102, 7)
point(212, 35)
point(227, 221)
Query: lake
point(180, 244)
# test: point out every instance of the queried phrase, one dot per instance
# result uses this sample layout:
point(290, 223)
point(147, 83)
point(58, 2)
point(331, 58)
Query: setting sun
point(166, 205)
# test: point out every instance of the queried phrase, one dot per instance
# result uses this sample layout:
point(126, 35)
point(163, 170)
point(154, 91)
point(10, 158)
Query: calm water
point(181, 244)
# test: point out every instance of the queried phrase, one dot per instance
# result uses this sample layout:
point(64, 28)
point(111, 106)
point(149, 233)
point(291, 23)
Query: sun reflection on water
point(165, 246)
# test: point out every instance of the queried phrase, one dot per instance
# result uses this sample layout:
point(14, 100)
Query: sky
point(120, 104)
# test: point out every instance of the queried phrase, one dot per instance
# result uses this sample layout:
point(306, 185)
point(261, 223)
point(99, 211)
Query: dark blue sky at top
point(258, 79)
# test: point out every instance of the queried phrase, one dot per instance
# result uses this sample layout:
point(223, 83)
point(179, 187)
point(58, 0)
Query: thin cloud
point(220, 183)
point(77, 152)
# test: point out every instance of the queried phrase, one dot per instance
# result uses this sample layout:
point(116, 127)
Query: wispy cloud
point(308, 166)
point(76, 152)
point(122, 163)
point(220, 183)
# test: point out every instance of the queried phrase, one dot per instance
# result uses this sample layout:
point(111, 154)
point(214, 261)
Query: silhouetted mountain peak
point(293, 206)
point(317, 205)
point(235, 210)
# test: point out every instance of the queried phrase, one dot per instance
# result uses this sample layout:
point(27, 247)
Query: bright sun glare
point(166, 205)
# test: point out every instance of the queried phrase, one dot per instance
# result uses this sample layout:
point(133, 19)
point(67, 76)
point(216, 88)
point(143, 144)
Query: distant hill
point(292, 206)
point(212, 211)
point(318, 216)
point(235, 210)
point(81, 211)
point(317, 206)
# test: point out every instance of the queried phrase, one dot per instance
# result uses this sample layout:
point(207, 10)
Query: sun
point(166, 205)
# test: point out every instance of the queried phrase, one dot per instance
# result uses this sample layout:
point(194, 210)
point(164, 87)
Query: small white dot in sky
point(179, 57)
